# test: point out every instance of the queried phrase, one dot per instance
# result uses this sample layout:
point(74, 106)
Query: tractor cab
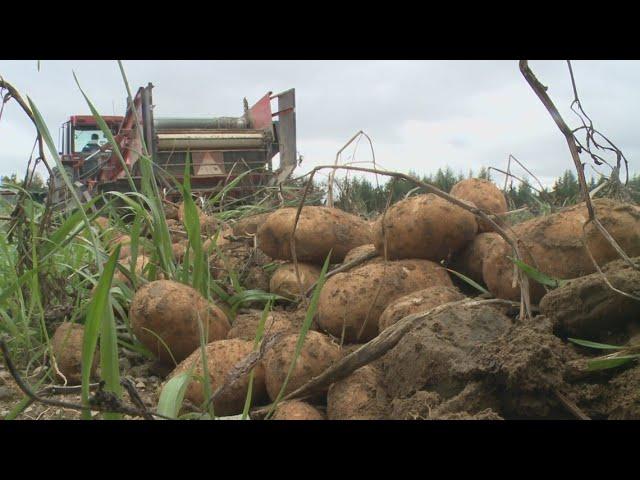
point(82, 144)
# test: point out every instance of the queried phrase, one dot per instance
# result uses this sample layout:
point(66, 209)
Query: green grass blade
point(206, 379)
point(67, 229)
point(46, 135)
point(469, 281)
point(538, 276)
point(606, 363)
point(192, 225)
point(96, 311)
point(256, 343)
point(172, 395)
point(601, 346)
point(109, 364)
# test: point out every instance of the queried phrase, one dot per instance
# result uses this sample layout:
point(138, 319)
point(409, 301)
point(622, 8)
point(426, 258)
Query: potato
point(181, 215)
point(102, 223)
point(416, 302)
point(245, 261)
point(285, 283)
point(318, 353)
point(171, 211)
point(171, 310)
point(245, 325)
point(360, 396)
point(222, 239)
point(361, 251)
point(553, 244)
point(208, 224)
point(222, 357)
point(142, 261)
point(424, 226)
point(249, 225)
point(176, 231)
point(469, 261)
point(296, 410)
point(179, 249)
point(67, 350)
point(484, 194)
point(120, 239)
point(319, 230)
point(359, 296)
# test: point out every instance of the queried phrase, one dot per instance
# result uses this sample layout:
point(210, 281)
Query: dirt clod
point(587, 308)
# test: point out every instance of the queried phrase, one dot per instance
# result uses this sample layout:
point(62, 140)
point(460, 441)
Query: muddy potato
point(171, 310)
point(484, 194)
point(284, 281)
point(470, 260)
point(123, 240)
point(296, 410)
point(249, 225)
point(101, 223)
point(179, 249)
point(222, 239)
point(181, 214)
point(359, 296)
point(586, 307)
point(245, 261)
point(424, 226)
point(208, 224)
point(171, 211)
point(176, 231)
point(245, 325)
point(141, 270)
point(319, 230)
point(318, 353)
point(554, 245)
point(222, 356)
point(416, 302)
point(360, 252)
point(67, 350)
point(360, 396)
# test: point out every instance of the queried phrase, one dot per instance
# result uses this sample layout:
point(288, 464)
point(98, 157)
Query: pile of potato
point(412, 242)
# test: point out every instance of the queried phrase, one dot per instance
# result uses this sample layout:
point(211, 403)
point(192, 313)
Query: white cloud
point(421, 115)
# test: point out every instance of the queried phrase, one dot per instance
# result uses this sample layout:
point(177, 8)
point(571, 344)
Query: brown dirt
point(139, 371)
point(524, 365)
point(435, 355)
point(587, 308)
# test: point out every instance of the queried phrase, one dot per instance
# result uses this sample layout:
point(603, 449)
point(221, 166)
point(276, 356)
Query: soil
point(587, 308)
point(473, 364)
point(142, 375)
point(435, 355)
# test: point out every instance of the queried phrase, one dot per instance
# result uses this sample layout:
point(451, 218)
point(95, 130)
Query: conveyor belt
point(215, 140)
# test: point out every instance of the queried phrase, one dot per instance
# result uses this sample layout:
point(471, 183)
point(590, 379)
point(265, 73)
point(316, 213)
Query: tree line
point(361, 195)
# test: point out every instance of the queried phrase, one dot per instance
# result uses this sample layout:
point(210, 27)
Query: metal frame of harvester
point(220, 148)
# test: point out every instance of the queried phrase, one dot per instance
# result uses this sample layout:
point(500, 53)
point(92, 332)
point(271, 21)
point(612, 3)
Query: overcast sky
point(421, 115)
